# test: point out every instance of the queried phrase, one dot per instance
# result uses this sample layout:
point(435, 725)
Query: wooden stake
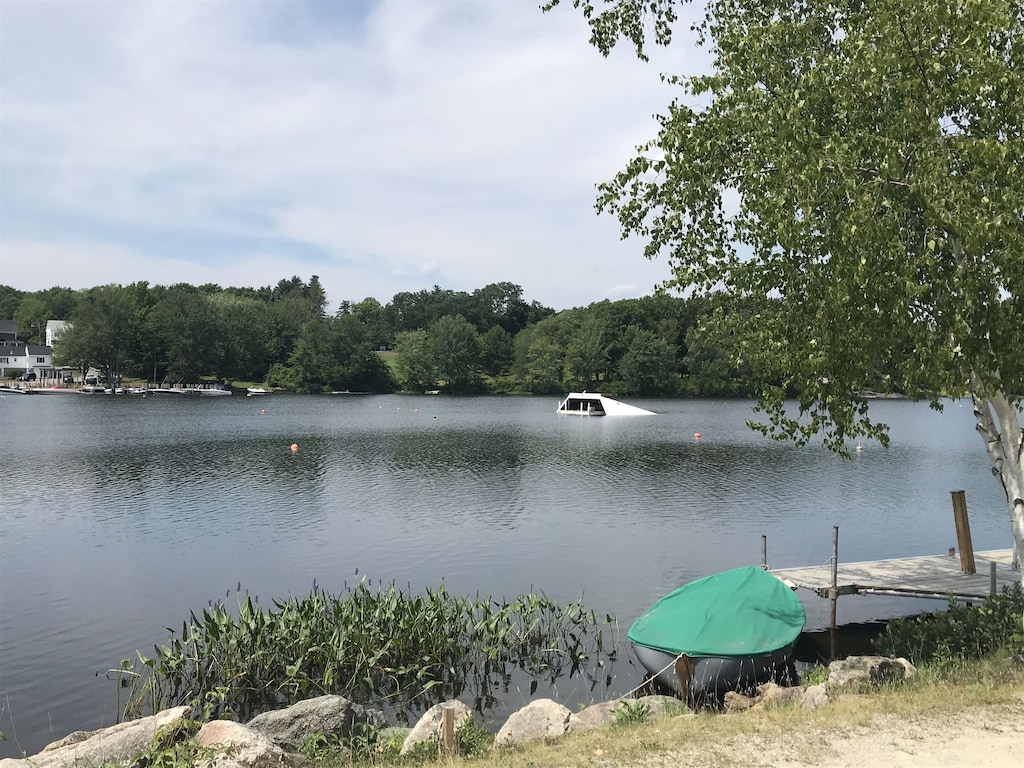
point(833, 594)
point(448, 729)
point(963, 533)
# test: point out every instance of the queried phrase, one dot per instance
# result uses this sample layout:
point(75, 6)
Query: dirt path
point(978, 737)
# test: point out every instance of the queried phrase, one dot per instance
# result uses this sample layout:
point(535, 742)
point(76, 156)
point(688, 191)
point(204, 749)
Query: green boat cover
point(743, 612)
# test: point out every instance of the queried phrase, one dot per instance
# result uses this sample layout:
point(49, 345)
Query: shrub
point(959, 632)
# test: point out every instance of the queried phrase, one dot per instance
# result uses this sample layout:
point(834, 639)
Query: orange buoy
point(697, 435)
point(263, 410)
point(295, 447)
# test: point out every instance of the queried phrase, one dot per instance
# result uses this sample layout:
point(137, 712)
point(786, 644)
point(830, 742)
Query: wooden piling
point(833, 594)
point(764, 551)
point(963, 533)
point(448, 729)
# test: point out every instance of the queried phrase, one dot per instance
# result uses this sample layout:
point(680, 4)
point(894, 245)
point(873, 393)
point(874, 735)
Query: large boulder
point(233, 745)
point(428, 727)
point(540, 719)
point(327, 715)
point(117, 744)
point(868, 670)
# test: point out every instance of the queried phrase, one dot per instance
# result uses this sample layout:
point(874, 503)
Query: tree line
point(491, 340)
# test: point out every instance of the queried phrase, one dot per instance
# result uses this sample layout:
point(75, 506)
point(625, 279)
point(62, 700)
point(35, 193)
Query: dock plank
point(928, 576)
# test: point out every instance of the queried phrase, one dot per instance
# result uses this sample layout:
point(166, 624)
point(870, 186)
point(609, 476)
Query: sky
point(384, 146)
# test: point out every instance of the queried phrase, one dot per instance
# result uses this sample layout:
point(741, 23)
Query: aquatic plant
point(383, 645)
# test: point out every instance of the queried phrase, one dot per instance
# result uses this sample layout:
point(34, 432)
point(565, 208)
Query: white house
point(54, 329)
point(18, 357)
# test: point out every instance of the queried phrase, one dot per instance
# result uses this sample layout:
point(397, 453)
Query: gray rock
point(872, 670)
point(428, 727)
point(117, 744)
point(72, 738)
point(595, 716)
point(663, 705)
point(815, 697)
point(540, 719)
point(772, 695)
point(737, 702)
point(234, 745)
point(602, 714)
point(329, 715)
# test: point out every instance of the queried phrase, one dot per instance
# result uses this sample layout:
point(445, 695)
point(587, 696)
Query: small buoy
point(435, 415)
point(263, 410)
point(295, 447)
point(416, 410)
point(697, 435)
point(859, 449)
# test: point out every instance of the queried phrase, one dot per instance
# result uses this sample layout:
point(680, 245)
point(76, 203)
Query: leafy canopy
point(850, 176)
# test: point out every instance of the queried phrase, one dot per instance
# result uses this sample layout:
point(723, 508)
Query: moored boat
point(595, 404)
point(730, 631)
point(213, 391)
point(256, 391)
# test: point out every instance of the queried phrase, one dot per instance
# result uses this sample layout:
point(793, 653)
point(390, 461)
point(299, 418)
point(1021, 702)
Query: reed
point(385, 645)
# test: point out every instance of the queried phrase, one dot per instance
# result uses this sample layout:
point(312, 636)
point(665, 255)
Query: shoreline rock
point(269, 738)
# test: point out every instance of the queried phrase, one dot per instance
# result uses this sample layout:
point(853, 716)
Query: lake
point(121, 515)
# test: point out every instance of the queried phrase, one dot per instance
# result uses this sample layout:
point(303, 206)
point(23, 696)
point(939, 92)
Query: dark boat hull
point(714, 676)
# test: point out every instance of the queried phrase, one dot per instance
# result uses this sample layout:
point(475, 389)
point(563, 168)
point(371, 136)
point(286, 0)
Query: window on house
point(40, 359)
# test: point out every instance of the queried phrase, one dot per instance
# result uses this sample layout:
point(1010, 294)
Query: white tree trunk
point(998, 422)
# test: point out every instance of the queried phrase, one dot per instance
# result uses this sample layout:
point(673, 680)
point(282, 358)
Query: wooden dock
point(938, 576)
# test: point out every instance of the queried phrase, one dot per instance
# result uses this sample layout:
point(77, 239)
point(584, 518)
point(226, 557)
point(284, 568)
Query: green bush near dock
point(960, 632)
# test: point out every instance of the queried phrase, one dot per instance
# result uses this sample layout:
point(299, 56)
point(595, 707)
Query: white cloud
point(430, 141)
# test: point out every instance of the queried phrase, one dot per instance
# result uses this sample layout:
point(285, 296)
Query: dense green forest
point(490, 340)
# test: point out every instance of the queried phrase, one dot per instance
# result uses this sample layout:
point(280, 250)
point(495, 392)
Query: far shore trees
point(850, 176)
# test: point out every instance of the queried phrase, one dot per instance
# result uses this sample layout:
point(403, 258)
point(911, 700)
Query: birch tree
point(852, 173)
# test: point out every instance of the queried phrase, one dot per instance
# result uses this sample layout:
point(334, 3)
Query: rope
point(644, 683)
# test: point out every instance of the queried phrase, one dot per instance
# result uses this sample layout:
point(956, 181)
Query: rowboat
point(730, 631)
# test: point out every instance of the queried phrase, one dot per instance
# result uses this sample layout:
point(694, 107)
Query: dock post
point(833, 594)
point(963, 533)
point(992, 585)
point(448, 729)
point(764, 552)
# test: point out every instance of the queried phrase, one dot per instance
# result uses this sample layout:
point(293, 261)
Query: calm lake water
point(120, 515)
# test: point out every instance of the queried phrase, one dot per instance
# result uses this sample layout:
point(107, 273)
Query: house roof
point(11, 348)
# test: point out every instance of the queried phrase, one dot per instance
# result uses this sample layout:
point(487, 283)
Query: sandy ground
point(975, 738)
point(966, 740)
